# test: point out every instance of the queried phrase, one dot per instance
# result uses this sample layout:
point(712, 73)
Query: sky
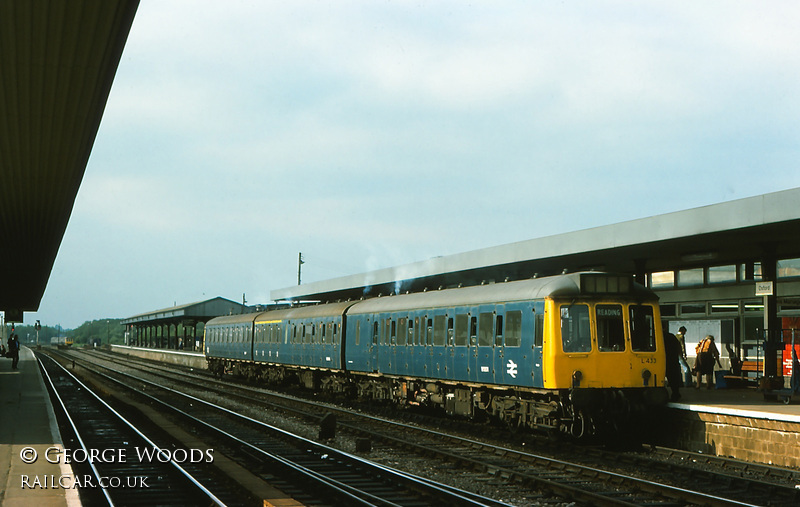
point(371, 134)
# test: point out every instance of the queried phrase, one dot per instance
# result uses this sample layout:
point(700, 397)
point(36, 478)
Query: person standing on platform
point(672, 351)
point(681, 336)
point(707, 355)
point(13, 350)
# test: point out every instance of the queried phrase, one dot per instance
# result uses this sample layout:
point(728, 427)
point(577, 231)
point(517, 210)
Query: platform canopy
point(742, 231)
point(57, 63)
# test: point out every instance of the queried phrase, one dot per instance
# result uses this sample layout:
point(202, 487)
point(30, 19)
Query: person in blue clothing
point(13, 351)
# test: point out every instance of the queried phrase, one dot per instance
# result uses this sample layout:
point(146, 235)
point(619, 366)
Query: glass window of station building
point(721, 298)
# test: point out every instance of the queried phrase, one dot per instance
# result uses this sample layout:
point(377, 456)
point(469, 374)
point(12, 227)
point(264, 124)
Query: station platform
point(27, 424)
point(738, 423)
point(744, 402)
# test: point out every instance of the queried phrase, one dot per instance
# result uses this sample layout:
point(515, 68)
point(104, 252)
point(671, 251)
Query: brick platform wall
point(748, 439)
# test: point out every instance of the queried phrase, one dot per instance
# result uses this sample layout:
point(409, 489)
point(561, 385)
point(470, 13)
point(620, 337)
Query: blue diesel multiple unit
point(574, 352)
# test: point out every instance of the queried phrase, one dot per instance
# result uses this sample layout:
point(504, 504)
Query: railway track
point(113, 461)
point(588, 484)
point(311, 473)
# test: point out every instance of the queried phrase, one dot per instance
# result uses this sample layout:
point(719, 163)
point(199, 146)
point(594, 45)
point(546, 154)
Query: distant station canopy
point(155, 329)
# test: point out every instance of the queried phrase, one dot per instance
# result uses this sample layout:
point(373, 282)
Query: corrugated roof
point(57, 64)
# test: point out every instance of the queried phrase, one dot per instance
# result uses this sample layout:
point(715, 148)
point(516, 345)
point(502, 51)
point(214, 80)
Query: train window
point(335, 332)
point(513, 330)
point(389, 332)
point(412, 330)
point(375, 334)
point(358, 333)
point(643, 329)
point(439, 330)
point(485, 331)
point(462, 328)
point(473, 331)
point(429, 333)
point(610, 328)
point(402, 330)
point(450, 332)
point(498, 331)
point(538, 333)
point(576, 333)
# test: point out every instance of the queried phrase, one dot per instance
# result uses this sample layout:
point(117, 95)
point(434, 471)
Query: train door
point(482, 335)
point(462, 370)
point(438, 351)
point(506, 369)
point(533, 329)
point(513, 361)
point(374, 344)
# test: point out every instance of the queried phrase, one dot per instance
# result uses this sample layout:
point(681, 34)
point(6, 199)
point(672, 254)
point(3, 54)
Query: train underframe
point(579, 412)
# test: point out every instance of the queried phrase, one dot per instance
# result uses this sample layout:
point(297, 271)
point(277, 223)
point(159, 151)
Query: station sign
point(764, 289)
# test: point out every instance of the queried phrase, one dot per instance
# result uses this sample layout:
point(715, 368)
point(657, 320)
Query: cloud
point(369, 135)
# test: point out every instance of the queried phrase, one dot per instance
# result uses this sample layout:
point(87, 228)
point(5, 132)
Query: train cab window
point(513, 329)
point(576, 335)
point(462, 328)
point(402, 330)
point(643, 332)
point(610, 328)
point(439, 330)
point(498, 331)
point(485, 331)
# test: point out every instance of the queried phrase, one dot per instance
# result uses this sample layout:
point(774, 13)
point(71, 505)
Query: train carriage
point(229, 338)
point(575, 352)
point(301, 339)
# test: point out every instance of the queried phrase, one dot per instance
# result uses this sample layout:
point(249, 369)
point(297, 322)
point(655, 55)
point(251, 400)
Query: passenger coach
point(576, 352)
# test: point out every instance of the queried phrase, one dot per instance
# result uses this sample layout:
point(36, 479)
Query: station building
point(731, 270)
